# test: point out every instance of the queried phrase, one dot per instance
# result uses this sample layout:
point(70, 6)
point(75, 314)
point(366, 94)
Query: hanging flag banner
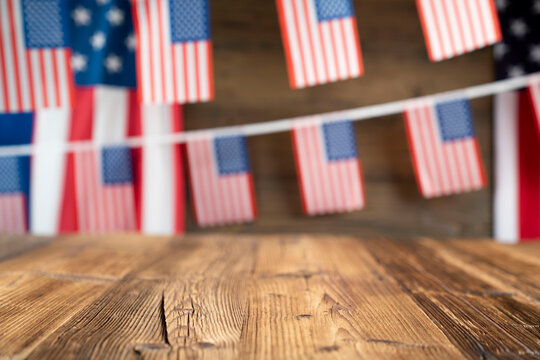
point(329, 170)
point(534, 93)
point(321, 43)
point(220, 179)
point(444, 149)
point(34, 55)
point(174, 51)
point(455, 27)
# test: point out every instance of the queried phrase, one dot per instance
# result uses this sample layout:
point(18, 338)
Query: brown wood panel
point(272, 296)
point(251, 86)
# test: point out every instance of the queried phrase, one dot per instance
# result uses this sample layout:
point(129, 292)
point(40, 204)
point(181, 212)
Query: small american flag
point(34, 58)
point(174, 52)
point(320, 40)
point(444, 149)
point(329, 171)
point(454, 27)
point(105, 188)
point(221, 181)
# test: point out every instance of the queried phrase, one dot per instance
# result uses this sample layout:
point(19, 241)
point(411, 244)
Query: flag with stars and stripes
point(455, 27)
point(220, 179)
point(329, 170)
point(174, 52)
point(34, 55)
point(444, 149)
point(321, 43)
point(516, 201)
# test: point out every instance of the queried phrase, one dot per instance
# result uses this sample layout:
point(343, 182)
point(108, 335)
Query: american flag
point(174, 53)
point(329, 171)
point(220, 178)
point(15, 129)
point(34, 57)
point(444, 149)
point(454, 27)
point(516, 205)
point(320, 40)
point(534, 93)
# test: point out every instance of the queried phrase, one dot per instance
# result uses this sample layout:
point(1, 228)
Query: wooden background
point(251, 85)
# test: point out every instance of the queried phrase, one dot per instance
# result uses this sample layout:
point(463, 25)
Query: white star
point(518, 28)
point(81, 16)
point(534, 53)
point(501, 4)
point(98, 40)
point(113, 63)
point(102, 2)
point(500, 50)
point(514, 71)
point(115, 16)
point(131, 42)
point(78, 62)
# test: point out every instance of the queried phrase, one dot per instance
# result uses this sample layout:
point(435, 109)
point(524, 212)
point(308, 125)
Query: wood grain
point(252, 86)
point(270, 297)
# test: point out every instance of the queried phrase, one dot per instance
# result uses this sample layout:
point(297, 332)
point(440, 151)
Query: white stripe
point(477, 28)
point(203, 70)
point(49, 76)
point(317, 44)
point(8, 56)
point(63, 83)
point(339, 48)
point(294, 47)
point(329, 51)
point(179, 66)
point(443, 27)
point(505, 204)
point(488, 21)
point(167, 50)
point(110, 114)
point(308, 153)
point(36, 75)
point(454, 28)
point(351, 46)
point(158, 177)
point(154, 23)
point(304, 42)
point(23, 71)
point(466, 27)
point(144, 51)
point(192, 74)
point(432, 33)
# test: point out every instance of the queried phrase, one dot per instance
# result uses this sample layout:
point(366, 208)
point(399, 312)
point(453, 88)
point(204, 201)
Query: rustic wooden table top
point(274, 297)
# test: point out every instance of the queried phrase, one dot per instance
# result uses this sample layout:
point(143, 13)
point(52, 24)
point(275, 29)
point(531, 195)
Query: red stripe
point(479, 163)
point(43, 79)
point(425, 29)
point(68, 221)
point(449, 28)
point(482, 23)
point(55, 76)
point(252, 197)
point(16, 69)
point(197, 74)
point(310, 42)
point(178, 171)
point(174, 79)
point(529, 171)
point(294, 134)
point(31, 78)
point(286, 45)
point(495, 18)
point(460, 25)
point(471, 23)
point(210, 70)
point(161, 51)
point(357, 46)
point(334, 50)
point(151, 57)
point(134, 128)
point(414, 152)
point(346, 48)
point(5, 90)
point(186, 83)
point(138, 60)
point(299, 41)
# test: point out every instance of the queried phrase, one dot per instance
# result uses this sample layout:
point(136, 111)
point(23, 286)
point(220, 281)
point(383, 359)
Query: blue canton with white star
point(116, 165)
point(103, 42)
point(333, 9)
point(231, 154)
point(339, 140)
point(189, 20)
point(10, 175)
point(44, 23)
point(455, 120)
point(519, 52)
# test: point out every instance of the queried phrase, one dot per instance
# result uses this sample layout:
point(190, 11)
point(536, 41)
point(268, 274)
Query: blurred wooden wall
point(251, 85)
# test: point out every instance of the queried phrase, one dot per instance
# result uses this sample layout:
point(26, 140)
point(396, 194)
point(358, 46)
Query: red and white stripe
point(454, 27)
point(326, 186)
point(534, 93)
point(318, 52)
point(217, 199)
point(30, 78)
point(169, 72)
point(12, 213)
point(441, 168)
point(516, 205)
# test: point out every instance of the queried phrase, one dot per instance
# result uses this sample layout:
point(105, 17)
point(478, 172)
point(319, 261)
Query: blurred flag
point(15, 129)
point(454, 27)
point(329, 171)
point(534, 93)
point(320, 40)
point(34, 57)
point(444, 149)
point(174, 52)
point(516, 210)
point(220, 179)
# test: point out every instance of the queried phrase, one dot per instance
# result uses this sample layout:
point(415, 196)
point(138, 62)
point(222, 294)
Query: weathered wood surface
point(270, 297)
point(252, 86)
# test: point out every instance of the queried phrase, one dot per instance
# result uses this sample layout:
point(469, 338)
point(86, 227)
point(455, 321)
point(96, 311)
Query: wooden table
point(273, 297)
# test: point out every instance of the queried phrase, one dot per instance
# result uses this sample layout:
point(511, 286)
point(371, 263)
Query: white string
point(275, 126)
